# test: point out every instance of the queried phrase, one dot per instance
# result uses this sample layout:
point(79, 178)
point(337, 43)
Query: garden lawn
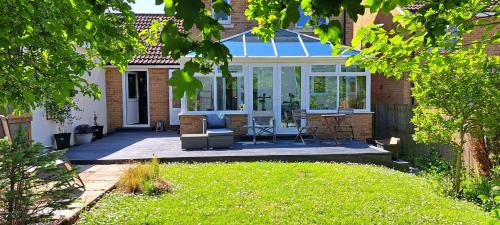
point(286, 193)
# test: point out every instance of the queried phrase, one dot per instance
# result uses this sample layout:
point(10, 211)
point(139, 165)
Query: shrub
point(144, 178)
point(478, 189)
point(32, 186)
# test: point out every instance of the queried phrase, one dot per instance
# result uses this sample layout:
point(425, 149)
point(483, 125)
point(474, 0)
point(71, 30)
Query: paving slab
point(98, 180)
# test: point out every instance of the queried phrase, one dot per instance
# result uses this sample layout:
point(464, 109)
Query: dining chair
point(347, 124)
point(310, 131)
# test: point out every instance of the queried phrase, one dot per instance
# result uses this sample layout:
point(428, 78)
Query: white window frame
point(336, 74)
point(305, 95)
point(222, 22)
point(242, 75)
point(214, 77)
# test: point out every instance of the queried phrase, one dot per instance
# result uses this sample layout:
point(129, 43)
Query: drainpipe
point(344, 23)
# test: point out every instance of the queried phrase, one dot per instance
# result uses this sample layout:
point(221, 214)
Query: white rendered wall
point(43, 129)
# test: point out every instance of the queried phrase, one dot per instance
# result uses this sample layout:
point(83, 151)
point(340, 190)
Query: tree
point(47, 47)
point(456, 83)
point(46, 50)
point(32, 186)
point(454, 94)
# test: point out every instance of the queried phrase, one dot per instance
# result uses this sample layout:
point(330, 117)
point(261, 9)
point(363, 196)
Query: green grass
point(286, 193)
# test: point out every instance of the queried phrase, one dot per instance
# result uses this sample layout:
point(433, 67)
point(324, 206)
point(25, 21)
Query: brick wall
point(493, 49)
point(238, 124)
point(239, 22)
point(114, 99)
point(389, 90)
point(362, 125)
point(191, 124)
point(158, 95)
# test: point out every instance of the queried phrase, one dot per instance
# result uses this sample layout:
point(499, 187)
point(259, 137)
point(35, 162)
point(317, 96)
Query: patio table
point(333, 120)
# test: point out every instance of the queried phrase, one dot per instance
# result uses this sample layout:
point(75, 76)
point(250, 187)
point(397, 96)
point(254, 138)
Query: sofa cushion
point(214, 121)
point(219, 132)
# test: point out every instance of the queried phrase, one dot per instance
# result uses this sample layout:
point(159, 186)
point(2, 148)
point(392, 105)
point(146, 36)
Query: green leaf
point(184, 82)
point(330, 32)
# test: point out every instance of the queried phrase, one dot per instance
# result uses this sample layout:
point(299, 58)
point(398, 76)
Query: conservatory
point(291, 71)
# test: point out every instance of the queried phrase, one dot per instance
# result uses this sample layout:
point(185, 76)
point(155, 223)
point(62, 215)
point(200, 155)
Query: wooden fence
point(393, 120)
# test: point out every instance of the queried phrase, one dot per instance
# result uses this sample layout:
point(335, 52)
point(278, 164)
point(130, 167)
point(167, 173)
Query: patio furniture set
point(216, 134)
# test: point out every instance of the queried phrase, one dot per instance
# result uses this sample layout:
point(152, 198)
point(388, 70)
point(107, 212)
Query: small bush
point(144, 178)
point(32, 186)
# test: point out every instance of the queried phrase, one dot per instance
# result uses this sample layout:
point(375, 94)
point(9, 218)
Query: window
point(204, 100)
point(323, 68)
point(232, 69)
point(222, 17)
point(132, 85)
point(353, 92)
point(262, 88)
point(352, 68)
point(330, 88)
point(220, 93)
point(230, 93)
point(304, 19)
point(323, 92)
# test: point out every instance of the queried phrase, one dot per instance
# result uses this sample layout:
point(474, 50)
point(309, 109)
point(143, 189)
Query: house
point(294, 70)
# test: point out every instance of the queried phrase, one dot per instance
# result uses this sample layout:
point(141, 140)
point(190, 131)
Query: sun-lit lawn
point(286, 193)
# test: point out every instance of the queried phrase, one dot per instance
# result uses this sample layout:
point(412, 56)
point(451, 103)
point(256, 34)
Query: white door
point(288, 97)
point(262, 91)
point(132, 98)
point(276, 90)
point(174, 105)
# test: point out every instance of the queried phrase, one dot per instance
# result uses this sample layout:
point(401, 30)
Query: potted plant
point(62, 115)
point(83, 134)
point(97, 130)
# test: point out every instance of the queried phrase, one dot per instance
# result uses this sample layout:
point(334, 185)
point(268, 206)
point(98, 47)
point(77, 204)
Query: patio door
point(288, 97)
point(262, 91)
point(276, 90)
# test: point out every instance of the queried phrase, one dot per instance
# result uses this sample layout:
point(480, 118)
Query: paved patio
point(122, 147)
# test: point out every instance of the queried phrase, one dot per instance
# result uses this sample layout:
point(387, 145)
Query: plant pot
point(83, 138)
point(98, 130)
point(62, 140)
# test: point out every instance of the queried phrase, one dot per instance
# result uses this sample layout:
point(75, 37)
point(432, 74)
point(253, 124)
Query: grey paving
point(98, 180)
point(143, 145)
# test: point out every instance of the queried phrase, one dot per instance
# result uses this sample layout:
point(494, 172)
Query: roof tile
point(153, 54)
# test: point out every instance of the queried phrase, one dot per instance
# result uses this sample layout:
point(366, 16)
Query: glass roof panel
point(315, 48)
point(288, 44)
point(257, 47)
point(235, 46)
point(349, 53)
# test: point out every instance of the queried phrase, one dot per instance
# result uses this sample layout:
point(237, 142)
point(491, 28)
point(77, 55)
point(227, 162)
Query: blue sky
point(146, 6)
